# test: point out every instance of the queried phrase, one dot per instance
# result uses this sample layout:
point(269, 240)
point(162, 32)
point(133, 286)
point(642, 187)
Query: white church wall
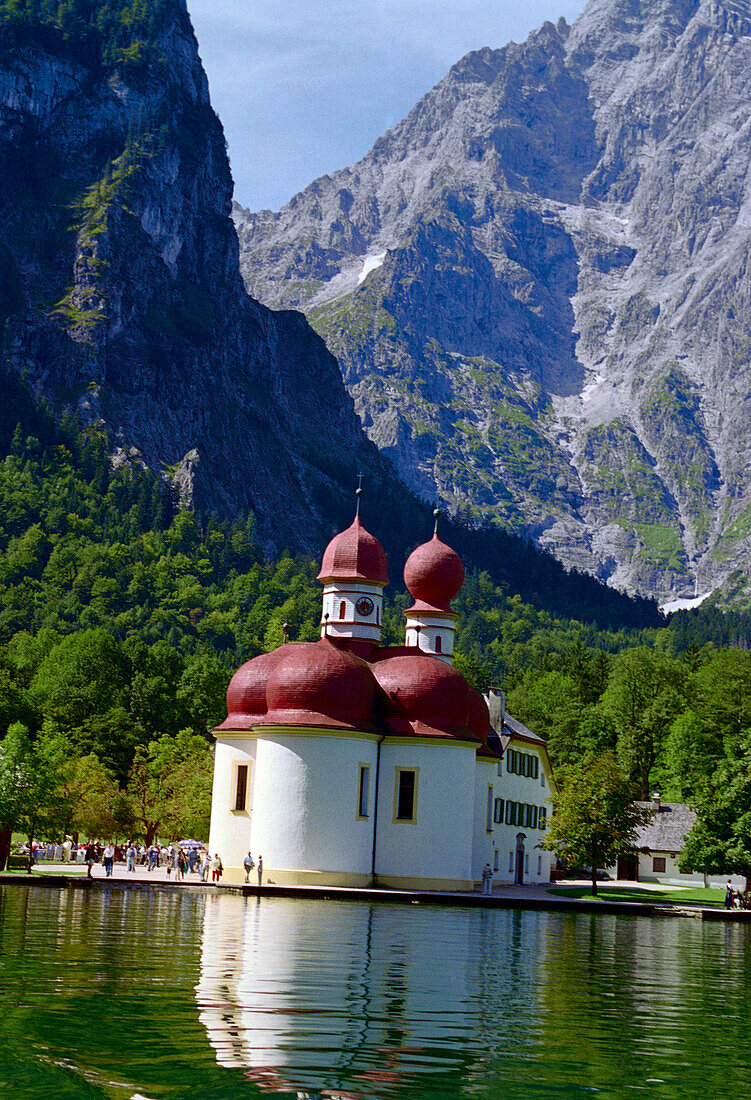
point(433, 850)
point(230, 833)
point(306, 823)
point(352, 610)
point(483, 839)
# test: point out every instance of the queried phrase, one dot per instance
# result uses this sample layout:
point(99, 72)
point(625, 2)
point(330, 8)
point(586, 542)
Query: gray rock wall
point(537, 287)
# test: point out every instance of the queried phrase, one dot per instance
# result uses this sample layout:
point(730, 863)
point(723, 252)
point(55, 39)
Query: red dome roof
point(318, 684)
point(479, 715)
point(425, 696)
point(354, 555)
point(433, 574)
point(246, 694)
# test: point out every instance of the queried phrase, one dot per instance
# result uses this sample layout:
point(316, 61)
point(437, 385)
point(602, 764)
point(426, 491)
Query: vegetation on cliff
point(116, 32)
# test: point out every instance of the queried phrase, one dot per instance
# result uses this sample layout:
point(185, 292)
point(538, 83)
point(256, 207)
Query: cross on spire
point(437, 516)
point(358, 494)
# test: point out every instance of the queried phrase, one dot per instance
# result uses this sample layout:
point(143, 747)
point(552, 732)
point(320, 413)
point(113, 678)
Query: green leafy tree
point(169, 786)
point(645, 692)
point(202, 690)
point(98, 808)
point(595, 818)
point(32, 781)
point(82, 676)
point(551, 705)
point(720, 840)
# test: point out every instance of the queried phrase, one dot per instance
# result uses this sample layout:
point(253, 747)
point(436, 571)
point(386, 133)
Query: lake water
point(108, 993)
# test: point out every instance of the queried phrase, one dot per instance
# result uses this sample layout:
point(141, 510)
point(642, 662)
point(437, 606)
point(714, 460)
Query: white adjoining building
point(343, 762)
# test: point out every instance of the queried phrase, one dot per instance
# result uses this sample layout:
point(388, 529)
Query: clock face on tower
point(364, 606)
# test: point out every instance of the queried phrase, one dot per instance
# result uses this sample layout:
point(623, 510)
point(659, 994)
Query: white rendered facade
point(517, 843)
point(432, 632)
point(311, 811)
point(433, 850)
point(352, 609)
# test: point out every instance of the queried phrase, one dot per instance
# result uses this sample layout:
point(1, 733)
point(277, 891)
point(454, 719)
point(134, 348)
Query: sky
point(304, 87)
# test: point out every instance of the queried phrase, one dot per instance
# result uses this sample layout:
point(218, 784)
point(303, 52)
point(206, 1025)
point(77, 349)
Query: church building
point(346, 763)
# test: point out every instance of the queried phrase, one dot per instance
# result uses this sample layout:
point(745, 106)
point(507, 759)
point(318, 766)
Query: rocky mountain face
point(538, 289)
point(120, 291)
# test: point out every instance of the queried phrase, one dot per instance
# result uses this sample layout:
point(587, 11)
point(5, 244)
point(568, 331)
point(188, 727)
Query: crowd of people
point(177, 859)
point(737, 899)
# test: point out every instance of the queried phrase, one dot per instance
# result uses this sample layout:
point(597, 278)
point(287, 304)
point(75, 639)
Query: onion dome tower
point(353, 574)
point(433, 574)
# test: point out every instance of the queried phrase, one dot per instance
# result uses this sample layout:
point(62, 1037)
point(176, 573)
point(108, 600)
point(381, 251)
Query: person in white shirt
point(487, 879)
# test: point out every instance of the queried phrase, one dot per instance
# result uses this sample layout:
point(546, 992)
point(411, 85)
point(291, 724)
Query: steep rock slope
point(120, 292)
point(537, 288)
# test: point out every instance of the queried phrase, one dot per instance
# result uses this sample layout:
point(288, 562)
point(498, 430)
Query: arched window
point(438, 648)
point(342, 609)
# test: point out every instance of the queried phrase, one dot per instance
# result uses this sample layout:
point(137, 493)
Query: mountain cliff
point(121, 301)
point(120, 291)
point(537, 287)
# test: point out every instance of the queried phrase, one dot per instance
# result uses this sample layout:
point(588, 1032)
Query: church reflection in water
point(345, 1000)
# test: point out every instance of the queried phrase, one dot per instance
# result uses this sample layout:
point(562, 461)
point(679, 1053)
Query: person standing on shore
point(487, 880)
point(729, 895)
point(216, 868)
point(248, 864)
point(205, 865)
point(260, 869)
point(90, 858)
point(130, 858)
point(108, 858)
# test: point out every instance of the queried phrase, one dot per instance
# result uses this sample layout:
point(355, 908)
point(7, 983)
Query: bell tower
point(353, 574)
point(434, 574)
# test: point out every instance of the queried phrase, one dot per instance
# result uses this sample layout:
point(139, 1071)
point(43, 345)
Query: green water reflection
point(107, 993)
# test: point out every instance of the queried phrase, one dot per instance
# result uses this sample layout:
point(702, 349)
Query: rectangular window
point(542, 820)
point(536, 764)
point(406, 794)
point(500, 768)
point(533, 817)
point(527, 762)
point(498, 811)
point(510, 754)
point(241, 787)
point(542, 779)
point(539, 865)
point(526, 865)
point(658, 865)
point(509, 811)
point(363, 790)
point(495, 860)
point(511, 861)
point(489, 812)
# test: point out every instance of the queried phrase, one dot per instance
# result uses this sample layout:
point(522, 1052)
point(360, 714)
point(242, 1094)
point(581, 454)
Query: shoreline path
point(73, 875)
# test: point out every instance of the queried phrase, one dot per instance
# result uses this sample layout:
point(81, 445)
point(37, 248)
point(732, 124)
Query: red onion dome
point(433, 574)
point(354, 555)
point(318, 684)
point(246, 694)
point(423, 695)
point(479, 715)
point(479, 723)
